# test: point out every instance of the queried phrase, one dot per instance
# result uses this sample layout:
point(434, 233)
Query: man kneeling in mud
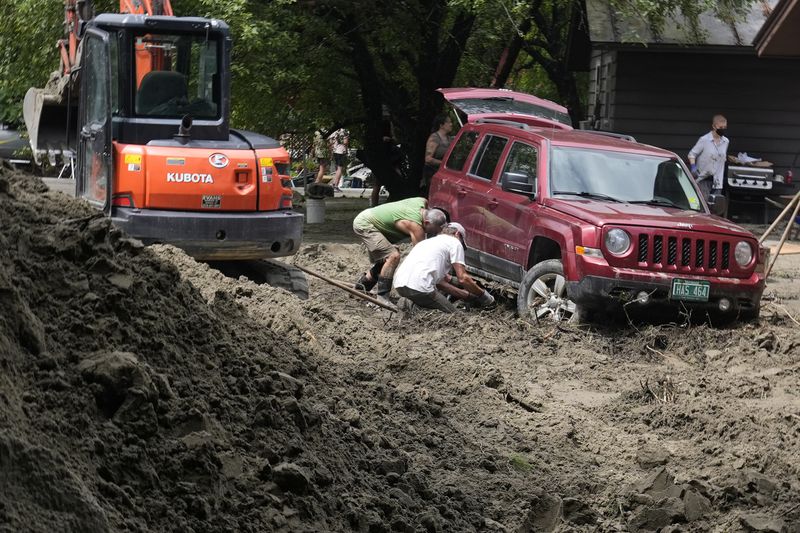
point(382, 226)
point(426, 271)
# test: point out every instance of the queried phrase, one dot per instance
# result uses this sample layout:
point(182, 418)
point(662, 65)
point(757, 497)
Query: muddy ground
point(143, 391)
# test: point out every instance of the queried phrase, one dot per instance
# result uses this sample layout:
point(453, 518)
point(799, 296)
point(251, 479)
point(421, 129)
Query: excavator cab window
point(175, 76)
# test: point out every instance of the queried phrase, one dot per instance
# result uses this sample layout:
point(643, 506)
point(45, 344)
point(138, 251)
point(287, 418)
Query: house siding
point(602, 74)
point(667, 99)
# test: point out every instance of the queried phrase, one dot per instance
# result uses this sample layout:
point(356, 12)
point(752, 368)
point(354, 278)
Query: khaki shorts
point(377, 245)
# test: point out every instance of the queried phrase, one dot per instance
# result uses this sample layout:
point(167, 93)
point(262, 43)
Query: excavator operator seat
point(161, 93)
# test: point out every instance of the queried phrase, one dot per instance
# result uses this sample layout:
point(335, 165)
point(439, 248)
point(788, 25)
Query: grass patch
point(519, 463)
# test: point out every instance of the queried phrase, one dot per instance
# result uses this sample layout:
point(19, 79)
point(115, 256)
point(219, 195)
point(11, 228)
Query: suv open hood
point(507, 105)
point(602, 213)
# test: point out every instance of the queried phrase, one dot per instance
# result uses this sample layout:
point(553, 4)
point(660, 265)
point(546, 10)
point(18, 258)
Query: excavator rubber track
point(272, 272)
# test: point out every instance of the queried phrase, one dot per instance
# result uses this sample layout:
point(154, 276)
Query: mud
point(142, 391)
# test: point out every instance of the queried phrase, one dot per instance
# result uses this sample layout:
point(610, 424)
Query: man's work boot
point(368, 280)
point(364, 283)
point(382, 289)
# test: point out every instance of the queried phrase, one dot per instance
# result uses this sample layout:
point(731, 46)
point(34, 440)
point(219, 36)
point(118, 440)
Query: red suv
point(580, 221)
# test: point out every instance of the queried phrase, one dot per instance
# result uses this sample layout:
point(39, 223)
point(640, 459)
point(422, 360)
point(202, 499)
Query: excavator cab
point(147, 106)
point(138, 82)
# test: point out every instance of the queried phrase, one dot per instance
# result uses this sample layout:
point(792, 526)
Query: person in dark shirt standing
point(436, 147)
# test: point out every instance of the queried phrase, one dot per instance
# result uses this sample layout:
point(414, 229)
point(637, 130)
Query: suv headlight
point(618, 241)
point(743, 253)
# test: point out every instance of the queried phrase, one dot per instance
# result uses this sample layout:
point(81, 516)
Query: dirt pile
point(129, 402)
point(142, 391)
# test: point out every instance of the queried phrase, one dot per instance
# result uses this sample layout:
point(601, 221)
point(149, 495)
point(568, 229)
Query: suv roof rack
point(623, 136)
point(512, 123)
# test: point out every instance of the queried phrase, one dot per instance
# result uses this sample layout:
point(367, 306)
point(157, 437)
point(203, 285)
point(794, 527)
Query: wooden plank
point(789, 248)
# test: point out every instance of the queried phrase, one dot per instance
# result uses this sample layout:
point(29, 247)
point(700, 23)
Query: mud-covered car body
point(580, 221)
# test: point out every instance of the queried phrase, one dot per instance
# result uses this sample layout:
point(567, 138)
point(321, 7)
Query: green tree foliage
point(395, 54)
point(299, 65)
point(28, 53)
point(286, 77)
point(29, 34)
point(538, 41)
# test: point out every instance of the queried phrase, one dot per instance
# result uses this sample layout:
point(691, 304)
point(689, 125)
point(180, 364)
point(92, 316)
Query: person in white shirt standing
point(707, 158)
point(340, 143)
point(424, 276)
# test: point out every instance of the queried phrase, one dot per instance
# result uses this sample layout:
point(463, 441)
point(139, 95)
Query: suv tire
point(543, 295)
point(751, 315)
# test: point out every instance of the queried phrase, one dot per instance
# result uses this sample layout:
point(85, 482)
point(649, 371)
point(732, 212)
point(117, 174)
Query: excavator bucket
point(51, 118)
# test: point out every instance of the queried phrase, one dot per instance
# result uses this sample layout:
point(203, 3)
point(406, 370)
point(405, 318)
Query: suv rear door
point(477, 200)
point(446, 189)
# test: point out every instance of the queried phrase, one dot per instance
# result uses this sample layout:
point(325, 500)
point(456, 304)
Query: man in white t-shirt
point(426, 271)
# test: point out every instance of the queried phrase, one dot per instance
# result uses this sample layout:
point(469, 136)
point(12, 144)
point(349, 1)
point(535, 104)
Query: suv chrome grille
point(698, 253)
point(687, 254)
point(672, 251)
point(643, 248)
point(658, 252)
point(686, 251)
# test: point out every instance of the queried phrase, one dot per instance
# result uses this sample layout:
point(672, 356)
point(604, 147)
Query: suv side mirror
point(517, 182)
point(718, 204)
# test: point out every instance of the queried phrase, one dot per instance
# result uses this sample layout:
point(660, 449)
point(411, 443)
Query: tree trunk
point(567, 87)
point(436, 65)
point(438, 72)
point(510, 55)
point(375, 156)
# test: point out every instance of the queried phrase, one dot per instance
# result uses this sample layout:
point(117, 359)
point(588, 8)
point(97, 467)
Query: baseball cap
point(459, 228)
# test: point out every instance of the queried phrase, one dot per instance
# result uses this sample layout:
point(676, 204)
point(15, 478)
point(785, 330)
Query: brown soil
point(142, 391)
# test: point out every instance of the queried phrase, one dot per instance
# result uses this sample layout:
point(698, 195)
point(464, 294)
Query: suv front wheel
point(543, 295)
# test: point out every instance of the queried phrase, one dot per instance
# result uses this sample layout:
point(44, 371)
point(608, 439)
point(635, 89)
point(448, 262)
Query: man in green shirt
point(382, 226)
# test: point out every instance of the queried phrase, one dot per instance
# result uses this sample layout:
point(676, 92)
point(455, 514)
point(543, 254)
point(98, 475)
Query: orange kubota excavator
point(141, 104)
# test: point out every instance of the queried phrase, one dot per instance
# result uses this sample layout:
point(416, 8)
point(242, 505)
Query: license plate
point(690, 290)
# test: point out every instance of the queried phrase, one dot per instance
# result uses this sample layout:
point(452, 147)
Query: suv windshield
point(177, 75)
point(623, 177)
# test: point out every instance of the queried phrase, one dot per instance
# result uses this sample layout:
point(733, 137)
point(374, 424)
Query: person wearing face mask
point(707, 158)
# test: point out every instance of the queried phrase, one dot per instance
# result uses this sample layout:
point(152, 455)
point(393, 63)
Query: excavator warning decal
point(266, 169)
point(134, 162)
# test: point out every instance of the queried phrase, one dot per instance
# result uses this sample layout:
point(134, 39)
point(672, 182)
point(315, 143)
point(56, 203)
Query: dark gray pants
point(705, 185)
point(428, 300)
